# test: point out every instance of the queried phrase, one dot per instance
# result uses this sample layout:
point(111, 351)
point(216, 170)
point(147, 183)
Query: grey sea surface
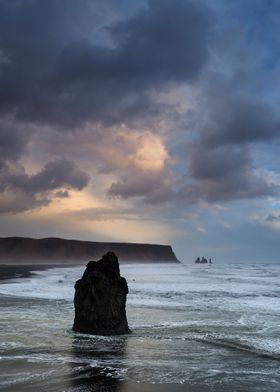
point(195, 328)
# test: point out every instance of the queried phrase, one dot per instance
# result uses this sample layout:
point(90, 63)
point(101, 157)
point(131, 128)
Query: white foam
point(55, 283)
point(240, 298)
point(167, 285)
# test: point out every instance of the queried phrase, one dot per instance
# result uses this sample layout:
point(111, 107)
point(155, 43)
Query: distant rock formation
point(100, 299)
point(58, 250)
point(202, 261)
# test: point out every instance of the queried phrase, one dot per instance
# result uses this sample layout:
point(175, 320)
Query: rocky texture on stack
point(100, 298)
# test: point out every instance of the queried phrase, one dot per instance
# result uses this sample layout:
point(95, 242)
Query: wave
point(260, 347)
point(257, 349)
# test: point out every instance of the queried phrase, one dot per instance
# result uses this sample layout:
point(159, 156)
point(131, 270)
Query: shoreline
point(19, 271)
point(10, 271)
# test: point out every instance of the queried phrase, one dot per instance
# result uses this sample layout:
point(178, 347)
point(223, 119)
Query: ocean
point(194, 328)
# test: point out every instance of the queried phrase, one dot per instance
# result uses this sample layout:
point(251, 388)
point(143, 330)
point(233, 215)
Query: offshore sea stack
point(100, 298)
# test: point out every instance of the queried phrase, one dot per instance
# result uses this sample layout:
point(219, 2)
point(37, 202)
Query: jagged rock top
point(108, 265)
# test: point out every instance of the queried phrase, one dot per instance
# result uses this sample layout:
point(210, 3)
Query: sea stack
point(100, 298)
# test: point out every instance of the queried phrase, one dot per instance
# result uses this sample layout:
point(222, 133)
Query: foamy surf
point(188, 322)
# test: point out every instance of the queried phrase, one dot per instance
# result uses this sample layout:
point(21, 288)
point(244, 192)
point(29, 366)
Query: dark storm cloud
point(240, 121)
point(32, 35)
point(58, 174)
point(168, 41)
point(63, 62)
point(13, 139)
point(21, 191)
point(220, 162)
point(152, 188)
point(217, 170)
point(54, 75)
point(274, 218)
point(20, 202)
point(53, 70)
point(217, 163)
point(237, 107)
point(231, 117)
point(62, 194)
point(216, 174)
point(226, 173)
point(231, 120)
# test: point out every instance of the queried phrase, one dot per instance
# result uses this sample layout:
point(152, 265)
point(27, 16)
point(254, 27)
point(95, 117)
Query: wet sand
point(16, 271)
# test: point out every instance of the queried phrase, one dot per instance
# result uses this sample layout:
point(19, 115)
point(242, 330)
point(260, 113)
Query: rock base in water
point(100, 299)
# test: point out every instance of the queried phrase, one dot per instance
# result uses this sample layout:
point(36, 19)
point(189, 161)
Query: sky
point(143, 121)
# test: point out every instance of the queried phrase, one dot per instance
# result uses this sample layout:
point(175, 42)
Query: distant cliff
point(57, 250)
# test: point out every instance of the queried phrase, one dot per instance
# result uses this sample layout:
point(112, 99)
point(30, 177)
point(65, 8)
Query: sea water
point(206, 327)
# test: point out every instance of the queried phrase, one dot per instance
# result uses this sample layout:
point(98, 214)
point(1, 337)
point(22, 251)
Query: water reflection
point(98, 363)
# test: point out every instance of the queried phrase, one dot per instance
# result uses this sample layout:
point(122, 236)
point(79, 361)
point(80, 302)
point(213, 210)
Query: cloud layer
point(51, 75)
point(169, 107)
point(20, 191)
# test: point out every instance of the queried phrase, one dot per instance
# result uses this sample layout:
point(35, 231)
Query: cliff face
point(48, 250)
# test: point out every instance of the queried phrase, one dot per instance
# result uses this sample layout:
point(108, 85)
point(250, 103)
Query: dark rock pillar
point(100, 298)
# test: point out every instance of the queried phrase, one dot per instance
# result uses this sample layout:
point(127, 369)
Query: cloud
point(14, 138)
point(228, 123)
point(216, 174)
point(151, 188)
point(62, 194)
point(111, 149)
point(57, 74)
point(269, 220)
point(18, 201)
point(60, 74)
point(105, 214)
point(57, 174)
point(21, 191)
point(273, 218)
point(224, 173)
point(241, 120)
point(133, 150)
point(109, 77)
point(166, 41)
point(219, 174)
point(217, 163)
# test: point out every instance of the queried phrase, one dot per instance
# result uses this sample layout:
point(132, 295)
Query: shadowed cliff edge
point(57, 250)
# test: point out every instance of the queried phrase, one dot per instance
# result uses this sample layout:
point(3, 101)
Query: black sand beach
point(19, 271)
point(16, 271)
